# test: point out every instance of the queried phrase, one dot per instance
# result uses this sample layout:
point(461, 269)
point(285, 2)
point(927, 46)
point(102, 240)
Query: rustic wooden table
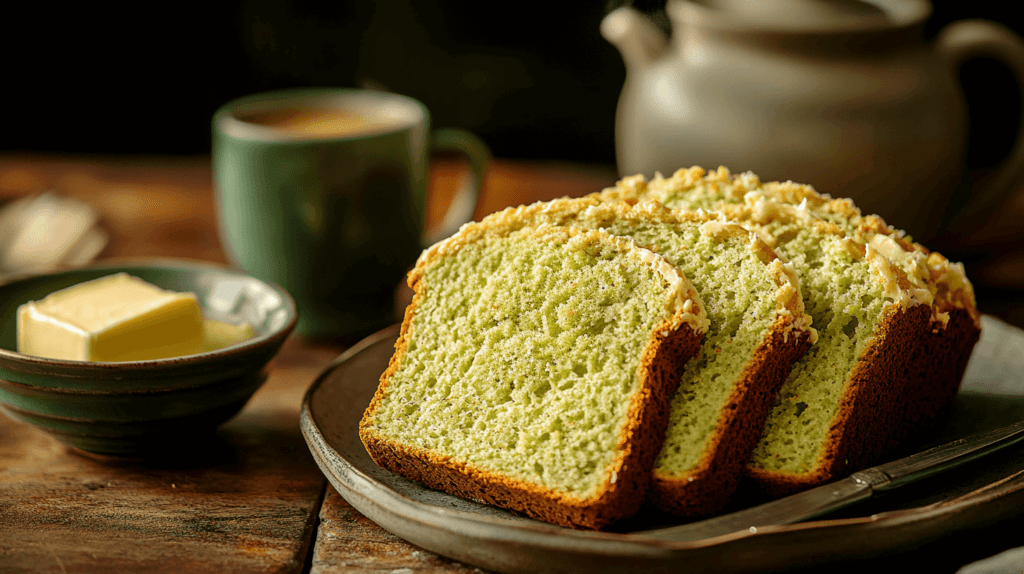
point(254, 501)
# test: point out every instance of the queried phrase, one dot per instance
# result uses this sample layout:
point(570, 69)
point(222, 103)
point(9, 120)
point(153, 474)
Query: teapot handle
point(967, 39)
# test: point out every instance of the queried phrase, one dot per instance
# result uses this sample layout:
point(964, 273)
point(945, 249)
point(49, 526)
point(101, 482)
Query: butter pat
point(119, 318)
point(218, 334)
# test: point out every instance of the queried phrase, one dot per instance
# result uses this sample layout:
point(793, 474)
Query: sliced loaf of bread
point(533, 371)
point(955, 326)
point(840, 406)
point(757, 329)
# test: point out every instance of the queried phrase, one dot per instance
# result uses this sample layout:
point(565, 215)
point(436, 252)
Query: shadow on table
point(231, 448)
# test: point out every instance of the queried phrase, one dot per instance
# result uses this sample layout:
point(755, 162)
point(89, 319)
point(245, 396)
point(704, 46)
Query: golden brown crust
point(671, 344)
point(757, 213)
point(935, 380)
point(947, 281)
point(869, 409)
point(706, 489)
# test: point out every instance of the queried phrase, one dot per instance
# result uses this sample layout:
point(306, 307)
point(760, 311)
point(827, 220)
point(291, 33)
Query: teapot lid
point(802, 15)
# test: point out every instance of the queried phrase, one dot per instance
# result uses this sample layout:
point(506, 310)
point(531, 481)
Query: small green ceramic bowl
point(140, 408)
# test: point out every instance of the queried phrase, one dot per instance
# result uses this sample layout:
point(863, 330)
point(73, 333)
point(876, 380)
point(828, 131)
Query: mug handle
point(467, 195)
point(967, 39)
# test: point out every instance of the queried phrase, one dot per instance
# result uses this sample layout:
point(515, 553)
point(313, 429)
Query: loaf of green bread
point(757, 329)
point(956, 322)
point(538, 365)
point(534, 369)
point(845, 400)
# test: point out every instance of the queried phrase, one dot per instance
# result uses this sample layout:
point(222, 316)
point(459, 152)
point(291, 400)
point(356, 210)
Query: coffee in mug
point(322, 122)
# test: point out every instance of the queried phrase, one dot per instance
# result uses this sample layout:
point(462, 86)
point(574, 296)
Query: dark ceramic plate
point(928, 512)
point(142, 408)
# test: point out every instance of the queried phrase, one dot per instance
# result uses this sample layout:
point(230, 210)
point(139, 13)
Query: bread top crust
point(746, 202)
point(946, 281)
point(568, 212)
point(683, 299)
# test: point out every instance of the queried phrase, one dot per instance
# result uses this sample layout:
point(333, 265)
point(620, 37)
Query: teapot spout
point(639, 41)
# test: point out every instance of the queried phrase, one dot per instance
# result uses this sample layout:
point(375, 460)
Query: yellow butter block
point(119, 318)
point(219, 334)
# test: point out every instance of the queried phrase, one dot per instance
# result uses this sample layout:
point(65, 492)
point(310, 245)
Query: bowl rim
point(171, 263)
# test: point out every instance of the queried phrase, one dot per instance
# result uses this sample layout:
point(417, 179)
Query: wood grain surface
point(250, 499)
point(347, 541)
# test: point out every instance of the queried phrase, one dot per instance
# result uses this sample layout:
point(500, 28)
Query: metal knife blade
point(858, 486)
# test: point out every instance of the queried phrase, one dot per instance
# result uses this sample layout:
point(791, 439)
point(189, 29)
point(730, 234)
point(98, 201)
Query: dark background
point(534, 79)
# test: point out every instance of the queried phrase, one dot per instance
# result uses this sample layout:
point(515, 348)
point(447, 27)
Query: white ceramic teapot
point(842, 94)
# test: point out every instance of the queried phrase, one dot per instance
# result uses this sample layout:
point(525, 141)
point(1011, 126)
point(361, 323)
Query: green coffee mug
point(323, 191)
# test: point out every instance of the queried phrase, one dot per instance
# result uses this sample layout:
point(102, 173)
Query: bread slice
point(757, 329)
point(841, 405)
point(533, 371)
point(955, 323)
point(955, 327)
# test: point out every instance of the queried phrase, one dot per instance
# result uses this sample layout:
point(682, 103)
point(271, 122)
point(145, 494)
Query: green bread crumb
point(522, 360)
point(738, 294)
point(846, 303)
